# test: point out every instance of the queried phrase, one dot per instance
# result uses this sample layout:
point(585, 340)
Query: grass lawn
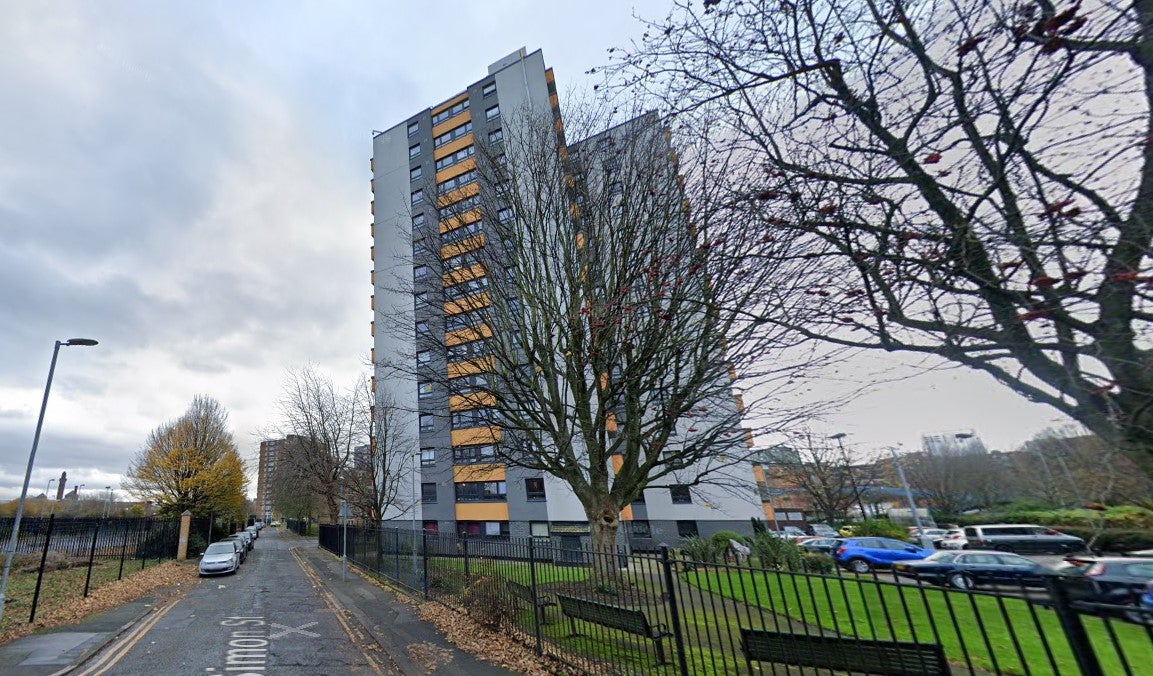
point(519, 571)
point(59, 588)
point(1015, 631)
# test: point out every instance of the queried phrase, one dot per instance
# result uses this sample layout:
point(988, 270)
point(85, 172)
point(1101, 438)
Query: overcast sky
point(188, 184)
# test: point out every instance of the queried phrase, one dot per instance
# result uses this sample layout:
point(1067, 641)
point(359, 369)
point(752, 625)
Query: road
point(271, 617)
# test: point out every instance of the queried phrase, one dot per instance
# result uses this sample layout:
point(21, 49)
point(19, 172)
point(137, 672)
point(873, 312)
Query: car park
point(966, 570)
point(790, 533)
point(864, 554)
point(220, 558)
point(1021, 537)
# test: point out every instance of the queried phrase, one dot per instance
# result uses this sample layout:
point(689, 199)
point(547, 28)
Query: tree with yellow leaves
point(191, 463)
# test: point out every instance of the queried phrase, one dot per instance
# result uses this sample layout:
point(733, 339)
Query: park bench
point(890, 658)
point(525, 593)
point(614, 617)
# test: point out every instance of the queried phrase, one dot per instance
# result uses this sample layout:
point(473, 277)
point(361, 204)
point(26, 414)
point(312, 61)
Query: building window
point(464, 320)
point(456, 181)
point(413, 128)
point(504, 215)
point(465, 289)
point(413, 151)
point(453, 134)
point(424, 390)
point(473, 417)
point(471, 455)
point(470, 350)
point(641, 529)
point(417, 220)
point(534, 489)
point(477, 382)
point(424, 357)
point(422, 329)
point(681, 495)
point(489, 89)
point(420, 299)
point(538, 529)
point(463, 232)
point(496, 135)
point(687, 529)
point(417, 196)
point(481, 491)
point(457, 157)
point(428, 492)
point(450, 112)
point(492, 113)
point(420, 272)
point(428, 457)
point(427, 423)
point(415, 173)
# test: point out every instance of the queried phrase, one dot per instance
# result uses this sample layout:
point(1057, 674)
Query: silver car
point(221, 558)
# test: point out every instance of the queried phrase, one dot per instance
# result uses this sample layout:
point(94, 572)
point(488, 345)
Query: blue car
point(863, 554)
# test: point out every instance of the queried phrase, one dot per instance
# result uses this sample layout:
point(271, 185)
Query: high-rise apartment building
point(422, 168)
point(271, 452)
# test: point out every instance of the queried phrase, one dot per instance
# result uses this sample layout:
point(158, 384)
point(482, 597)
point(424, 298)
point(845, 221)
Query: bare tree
point(967, 180)
point(954, 482)
point(379, 466)
point(587, 323)
point(824, 472)
point(1069, 469)
point(326, 423)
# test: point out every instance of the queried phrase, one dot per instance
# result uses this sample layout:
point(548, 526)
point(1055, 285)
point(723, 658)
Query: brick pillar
point(185, 527)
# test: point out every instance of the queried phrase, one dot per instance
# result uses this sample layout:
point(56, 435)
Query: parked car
point(254, 531)
point(822, 545)
point(1111, 580)
point(965, 570)
point(240, 543)
point(244, 537)
point(1021, 537)
point(862, 555)
point(790, 533)
point(221, 558)
point(953, 539)
point(1143, 613)
point(823, 530)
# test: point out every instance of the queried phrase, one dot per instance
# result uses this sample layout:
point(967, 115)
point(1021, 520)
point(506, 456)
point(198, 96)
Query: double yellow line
point(125, 643)
point(358, 637)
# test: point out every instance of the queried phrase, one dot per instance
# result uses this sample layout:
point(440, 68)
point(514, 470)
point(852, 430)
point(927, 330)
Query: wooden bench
point(614, 617)
point(891, 658)
point(525, 593)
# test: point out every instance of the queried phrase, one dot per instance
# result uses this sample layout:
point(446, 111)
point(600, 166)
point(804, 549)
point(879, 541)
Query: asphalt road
point(268, 618)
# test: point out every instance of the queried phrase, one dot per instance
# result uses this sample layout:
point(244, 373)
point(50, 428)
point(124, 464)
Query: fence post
point(464, 545)
point(91, 558)
point(123, 550)
point(1074, 629)
point(40, 575)
point(144, 552)
point(674, 612)
point(537, 611)
point(424, 556)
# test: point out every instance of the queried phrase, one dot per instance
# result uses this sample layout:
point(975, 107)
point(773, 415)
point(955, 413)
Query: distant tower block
point(60, 485)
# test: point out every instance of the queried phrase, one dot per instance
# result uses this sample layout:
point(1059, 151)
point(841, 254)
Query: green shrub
point(817, 563)
point(880, 528)
point(699, 549)
point(196, 545)
point(721, 539)
point(1113, 540)
point(775, 552)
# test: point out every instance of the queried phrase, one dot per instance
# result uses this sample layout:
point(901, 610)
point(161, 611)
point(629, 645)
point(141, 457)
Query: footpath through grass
point(1016, 633)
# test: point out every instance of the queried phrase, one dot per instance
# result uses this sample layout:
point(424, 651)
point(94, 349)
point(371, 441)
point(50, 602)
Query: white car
point(221, 558)
point(954, 539)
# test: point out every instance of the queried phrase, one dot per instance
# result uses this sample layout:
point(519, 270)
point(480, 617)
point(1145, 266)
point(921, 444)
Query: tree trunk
point(604, 521)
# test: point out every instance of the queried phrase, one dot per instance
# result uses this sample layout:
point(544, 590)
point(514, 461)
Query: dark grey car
point(1023, 538)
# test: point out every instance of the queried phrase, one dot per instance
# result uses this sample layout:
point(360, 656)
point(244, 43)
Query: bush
point(1114, 540)
point(817, 563)
point(196, 545)
point(699, 549)
point(775, 552)
point(879, 528)
point(484, 600)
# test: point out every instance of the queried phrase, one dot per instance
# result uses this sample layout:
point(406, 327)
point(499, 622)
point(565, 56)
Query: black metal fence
point(642, 614)
point(106, 546)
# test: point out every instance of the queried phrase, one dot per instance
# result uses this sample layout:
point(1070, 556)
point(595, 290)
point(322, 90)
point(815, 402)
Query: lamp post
point(12, 541)
point(926, 541)
point(48, 489)
point(840, 437)
point(107, 501)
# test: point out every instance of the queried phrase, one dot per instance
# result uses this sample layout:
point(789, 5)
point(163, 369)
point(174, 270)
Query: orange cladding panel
point(494, 471)
point(482, 511)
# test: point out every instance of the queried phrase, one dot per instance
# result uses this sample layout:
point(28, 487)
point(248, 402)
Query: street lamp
point(926, 541)
point(108, 501)
point(840, 437)
point(48, 489)
point(85, 342)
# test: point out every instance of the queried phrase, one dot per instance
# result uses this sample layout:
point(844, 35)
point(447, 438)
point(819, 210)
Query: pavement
point(287, 611)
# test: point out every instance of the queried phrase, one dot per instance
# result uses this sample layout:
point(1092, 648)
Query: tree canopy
point(191, 463)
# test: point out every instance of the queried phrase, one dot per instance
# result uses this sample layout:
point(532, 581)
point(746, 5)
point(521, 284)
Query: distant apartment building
point(953, 443)
point(271, 453)
point(421, 167)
